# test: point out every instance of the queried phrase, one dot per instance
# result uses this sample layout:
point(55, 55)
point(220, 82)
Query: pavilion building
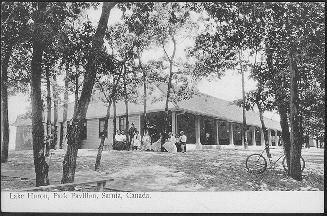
point(208, 122)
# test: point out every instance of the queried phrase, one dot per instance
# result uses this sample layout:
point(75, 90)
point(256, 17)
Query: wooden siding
point(23, 138)
point(93, 139)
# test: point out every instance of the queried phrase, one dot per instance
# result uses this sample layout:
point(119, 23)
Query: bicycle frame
point(271, 162)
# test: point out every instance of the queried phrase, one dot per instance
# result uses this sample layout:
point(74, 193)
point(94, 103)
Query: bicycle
point(257, 163)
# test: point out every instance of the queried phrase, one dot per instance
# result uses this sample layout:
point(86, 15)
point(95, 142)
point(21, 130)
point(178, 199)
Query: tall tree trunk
point(74, 138)
point(76, 92)
point(285, 133)
point(41, 167)
point(171, 62)
point(244, 141)
point(145, 127)
point(65, 107)
point(264, 129)
point(126, 110)
point(114, 121)
point(48, 128)
point(55, 110)
point(296, 136)
point(4, 105)
point(103, 137)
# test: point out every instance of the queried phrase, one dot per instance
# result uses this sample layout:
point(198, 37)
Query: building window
point(237, 134)
point(102, 130)
point(223, 132)
point(273, 138)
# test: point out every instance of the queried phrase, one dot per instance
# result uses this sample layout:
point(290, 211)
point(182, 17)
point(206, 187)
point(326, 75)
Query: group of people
point(143, 143)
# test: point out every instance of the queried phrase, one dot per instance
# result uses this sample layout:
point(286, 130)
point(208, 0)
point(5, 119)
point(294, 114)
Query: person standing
point(156, 146)
point(132, 131)
point(136, 141)
point(146, 141)
point(182, 140)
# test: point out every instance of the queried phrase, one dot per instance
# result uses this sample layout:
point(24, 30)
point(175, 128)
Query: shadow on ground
point(205, 170)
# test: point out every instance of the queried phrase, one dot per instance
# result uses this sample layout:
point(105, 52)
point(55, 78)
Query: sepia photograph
point(162, 107)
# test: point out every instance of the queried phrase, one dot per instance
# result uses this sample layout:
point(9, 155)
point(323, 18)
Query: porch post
point(139, 124)
point(276, 138)
point(269, 137)
point(262, 137)
point(217, 132)
point(253, 136)
point(173, 122)
point(231, 138)
point(197, 132)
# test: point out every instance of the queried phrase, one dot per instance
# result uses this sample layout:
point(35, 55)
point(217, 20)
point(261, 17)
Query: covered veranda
point(205, 131)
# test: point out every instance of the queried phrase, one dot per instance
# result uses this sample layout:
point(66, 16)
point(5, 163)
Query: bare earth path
point(205, 170)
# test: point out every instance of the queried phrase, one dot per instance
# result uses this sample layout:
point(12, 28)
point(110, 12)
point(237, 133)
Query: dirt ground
point(204, 170)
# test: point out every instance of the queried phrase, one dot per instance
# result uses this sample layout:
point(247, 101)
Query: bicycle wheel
point(285, 164)
point(256, 163)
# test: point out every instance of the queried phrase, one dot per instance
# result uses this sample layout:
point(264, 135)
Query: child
point(136, 141)
point(182, 140)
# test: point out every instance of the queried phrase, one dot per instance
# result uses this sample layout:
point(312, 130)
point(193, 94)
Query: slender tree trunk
point(285, 133)
point(4, 105)
point(55, 111)
point(47, 74)
point(145, 127)
point(264, 130)
point(245, 143)
point(65, 107)
point(126, 109)
point(281, 108)
point(76, 92)
point(296, 136)
point(74, 138)
point(103, 137)
point(114, 122)
point(171, 61)
point(41, 167)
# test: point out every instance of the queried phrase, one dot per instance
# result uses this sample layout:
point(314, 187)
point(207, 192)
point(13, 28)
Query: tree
point(74, 138)
point(167, 22)
point(293, 34)
point(4, 105)
point(105, 87)
point(138, 24)
point(273, 28)
point(41, 167)
point(49, 62)
point(13, 23)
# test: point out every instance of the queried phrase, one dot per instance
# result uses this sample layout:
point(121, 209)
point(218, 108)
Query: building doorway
point(207, 131)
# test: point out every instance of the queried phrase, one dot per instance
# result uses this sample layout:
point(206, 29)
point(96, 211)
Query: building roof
point(198, 103)
point(225, 110)
point(22, 121)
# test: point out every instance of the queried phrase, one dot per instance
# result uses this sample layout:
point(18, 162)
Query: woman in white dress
point(156, 146)
point(136, 141)
point(146, 142)
point(170, 143)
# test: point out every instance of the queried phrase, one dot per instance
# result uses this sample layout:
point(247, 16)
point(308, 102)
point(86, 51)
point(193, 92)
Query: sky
point(228, 87)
